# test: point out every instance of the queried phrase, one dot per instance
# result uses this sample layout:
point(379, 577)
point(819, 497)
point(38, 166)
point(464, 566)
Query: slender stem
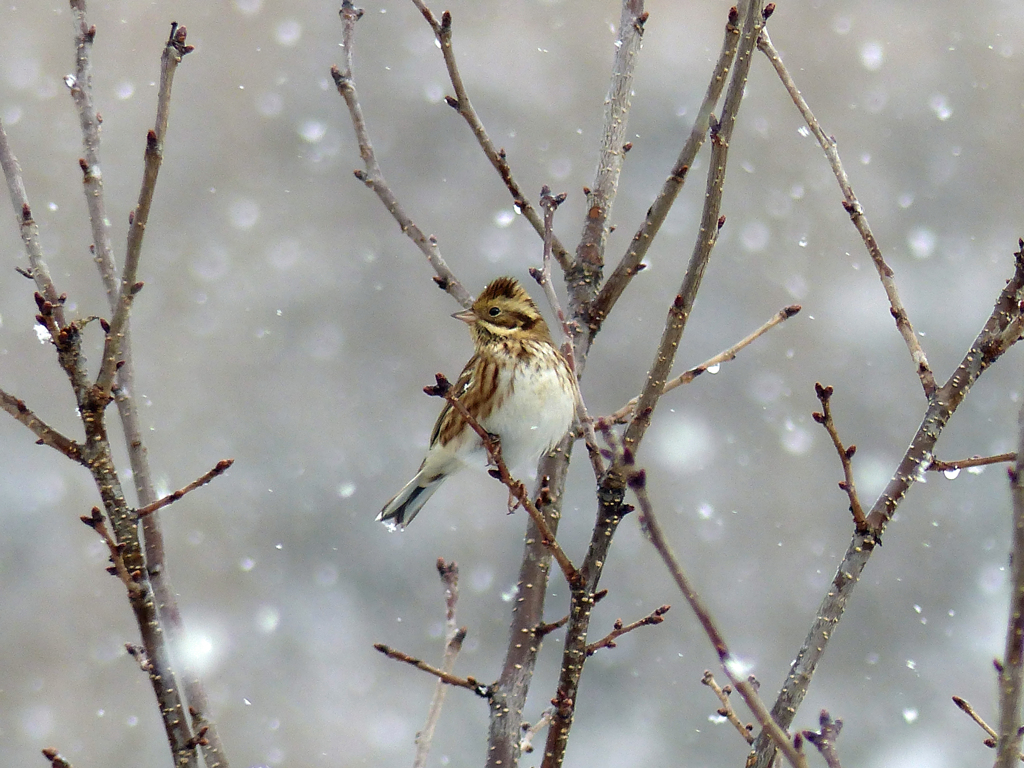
point(47, 435)
point(853, 208)
point(630, 263)
point(220, 468)
point(469, 683)
point(38, 270)
point(730, 664)
point(461, 104)
point(373, 177)
point(845, 454)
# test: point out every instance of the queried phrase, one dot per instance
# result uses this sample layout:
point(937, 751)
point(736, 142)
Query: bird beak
point(467, 316)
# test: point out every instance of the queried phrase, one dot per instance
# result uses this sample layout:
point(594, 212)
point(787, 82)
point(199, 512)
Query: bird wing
point(477, 390)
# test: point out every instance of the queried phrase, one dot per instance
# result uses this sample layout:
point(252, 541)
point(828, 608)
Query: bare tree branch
point(454, 637)
point(220, 468)
point(1011, 671)
point(730, 664)
point(469, 683)
point(657, 616)
point(630, 264)
point(1000, 332)
point(461, 104)
point(853, 207)
point(625, 413)
point(845, 454)
point(583, 277)
point(47, 435)
point(825, 739)
point(726, 710)
point(974, 461)
point(373, 177)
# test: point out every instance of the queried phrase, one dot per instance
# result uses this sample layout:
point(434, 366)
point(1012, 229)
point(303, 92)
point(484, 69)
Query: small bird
point(517, 385)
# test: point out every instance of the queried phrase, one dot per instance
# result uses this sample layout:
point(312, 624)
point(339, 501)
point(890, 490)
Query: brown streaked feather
point(476, 389)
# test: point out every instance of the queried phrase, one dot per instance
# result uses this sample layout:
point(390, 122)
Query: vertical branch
point(92, 175)
point(656, 214)
point(1011, 671)
point(583, 278)
point(711, 223)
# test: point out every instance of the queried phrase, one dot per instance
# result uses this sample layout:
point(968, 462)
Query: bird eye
point(494, 311)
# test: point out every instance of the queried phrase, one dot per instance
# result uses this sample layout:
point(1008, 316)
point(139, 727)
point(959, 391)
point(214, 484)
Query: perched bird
point(517, 385)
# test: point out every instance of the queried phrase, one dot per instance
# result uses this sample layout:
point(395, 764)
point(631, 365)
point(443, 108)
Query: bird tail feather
point(400, 511)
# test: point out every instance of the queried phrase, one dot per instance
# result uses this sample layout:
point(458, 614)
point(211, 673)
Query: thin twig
point(726, 710)
point(1001, 331)
point(625, 413)
point(174, 49)
point(80, 86)
point(657, 616)
point(118, 567)
point(220, 468)
point(454, 637)
point(1011, 670)
point(730, 664)
point(461, 104)
point(631, 262)
point(845, 453)
point(825, 739)
point(469, 683)
point(965, 706)
point(443, 388)
point(28, 228)
point(530, 731)
point(546, 629)
point(47, 435)
point(373, 177)
point(974, 461)
point(856, 212)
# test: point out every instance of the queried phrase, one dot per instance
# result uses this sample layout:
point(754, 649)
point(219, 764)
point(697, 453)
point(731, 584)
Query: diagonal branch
point(462, 105)
point(47, 435)
point(626, 412)
point(219, 469)
point(845, 453)
point(1000, 332)
point(38, 270)
point(469, 683)
point(731, 665)
point(853, 207)
point(373, 177)
point(630, 264)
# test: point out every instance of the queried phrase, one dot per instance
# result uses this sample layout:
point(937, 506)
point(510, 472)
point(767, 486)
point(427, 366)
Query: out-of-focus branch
point(625, 413)
point(630, 264)
point(1011, 670)
point(373, 177)
point(853, 208)
point(454, 637)
point(1001, 331)
point(845, 453)
point(550, 204)
point(461, 104)
point(583, 277)
point(730, 664)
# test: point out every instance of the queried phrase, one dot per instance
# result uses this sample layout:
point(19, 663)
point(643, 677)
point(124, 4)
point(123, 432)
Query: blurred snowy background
point(288, 324)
